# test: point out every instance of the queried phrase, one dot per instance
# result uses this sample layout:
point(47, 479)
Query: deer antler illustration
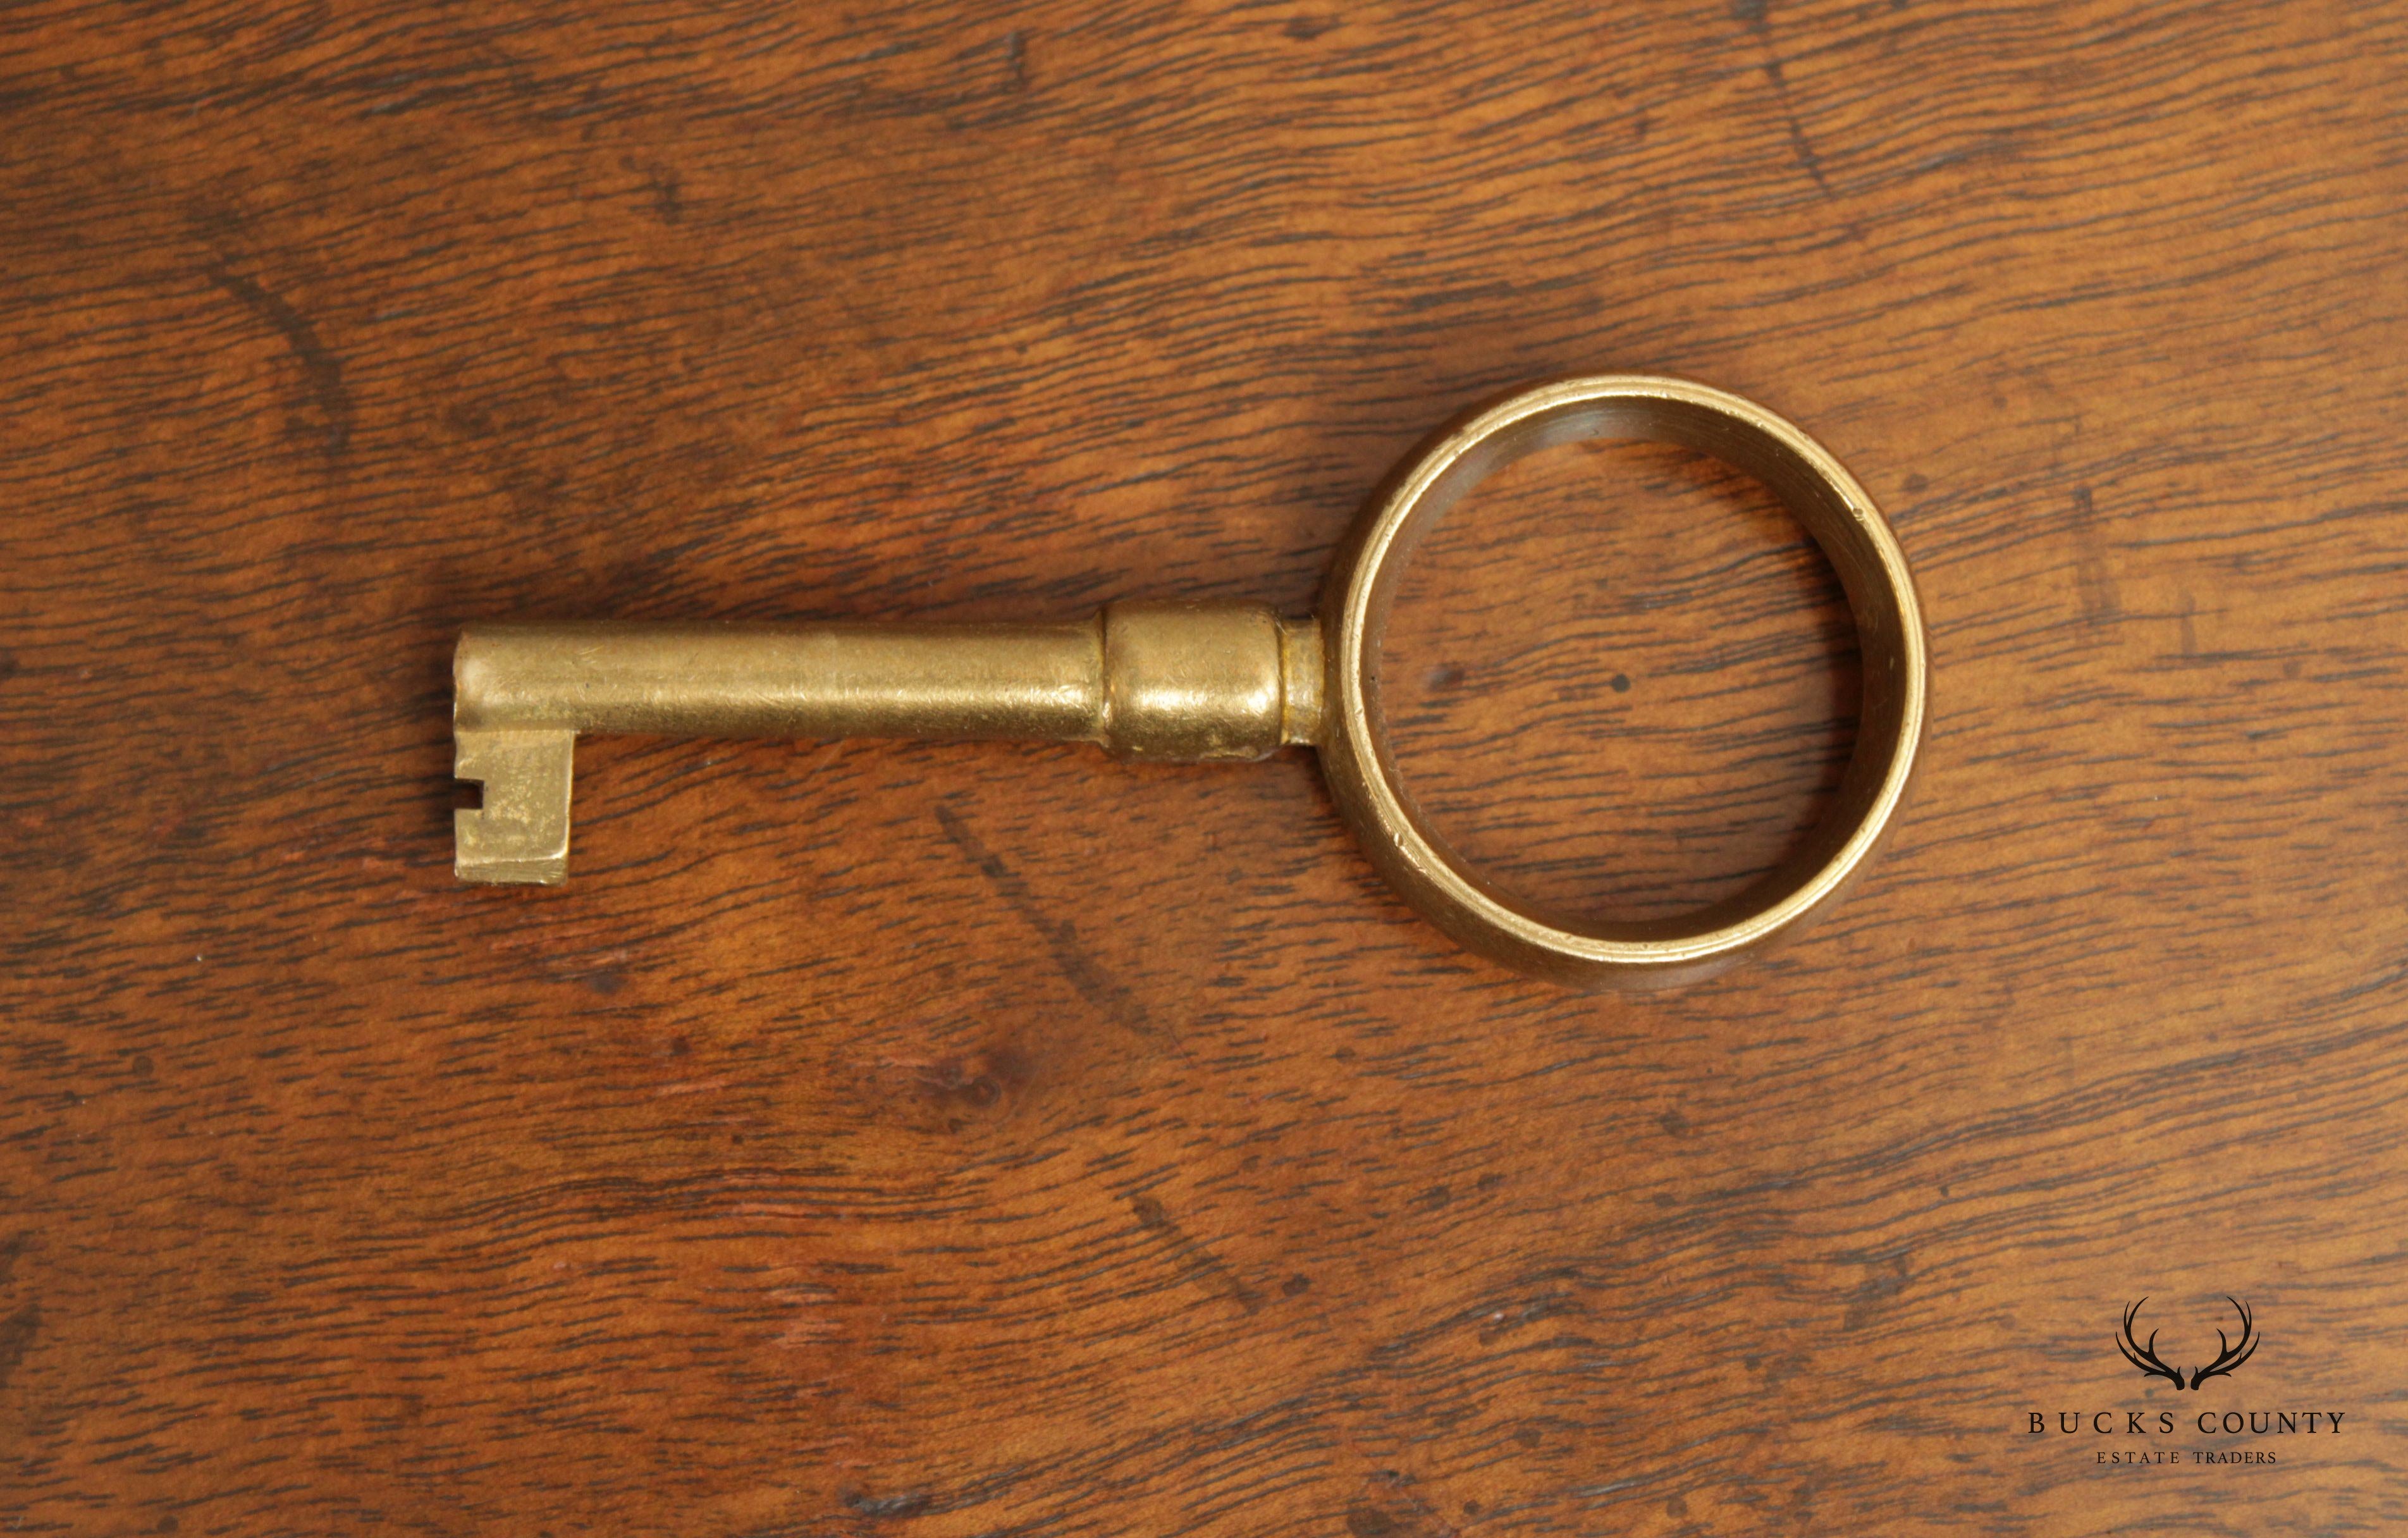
point(2145, 1356)
point(2233, 1354)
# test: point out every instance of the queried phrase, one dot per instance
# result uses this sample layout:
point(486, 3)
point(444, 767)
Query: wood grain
point(952, 1141)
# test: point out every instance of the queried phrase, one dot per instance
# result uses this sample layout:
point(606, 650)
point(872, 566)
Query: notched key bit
point(521, 832)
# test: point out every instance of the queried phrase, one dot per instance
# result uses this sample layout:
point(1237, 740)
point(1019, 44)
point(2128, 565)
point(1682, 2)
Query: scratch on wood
point(1756, 15)
point(1061, 936)
point(668, 194)
point(1201, 1264)
point(17, 1334)
point(1391, 1510)
point(324, 370)
point(2100, 602)
point(888, 1505)
point(1888, 1279)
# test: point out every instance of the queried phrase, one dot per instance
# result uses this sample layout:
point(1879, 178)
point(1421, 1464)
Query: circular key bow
point(1198, 683)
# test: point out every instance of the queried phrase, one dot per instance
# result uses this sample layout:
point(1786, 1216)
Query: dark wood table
point(977, 1140)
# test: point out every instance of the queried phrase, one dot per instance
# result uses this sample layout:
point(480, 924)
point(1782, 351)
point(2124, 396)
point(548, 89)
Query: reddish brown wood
point(955, 1141)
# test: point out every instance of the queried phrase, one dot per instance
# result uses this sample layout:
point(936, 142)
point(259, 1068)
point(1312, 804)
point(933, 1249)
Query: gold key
point(1199, 682)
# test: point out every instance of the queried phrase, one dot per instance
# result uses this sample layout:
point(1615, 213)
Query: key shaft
point(1181, 682)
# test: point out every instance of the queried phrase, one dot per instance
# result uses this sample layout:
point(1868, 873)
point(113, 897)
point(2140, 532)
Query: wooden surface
point(952, 1140)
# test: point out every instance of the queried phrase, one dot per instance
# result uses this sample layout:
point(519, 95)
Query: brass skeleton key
point(1194, 682)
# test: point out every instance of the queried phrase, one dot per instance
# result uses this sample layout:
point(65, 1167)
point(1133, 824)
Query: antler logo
point(2145, 1356)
